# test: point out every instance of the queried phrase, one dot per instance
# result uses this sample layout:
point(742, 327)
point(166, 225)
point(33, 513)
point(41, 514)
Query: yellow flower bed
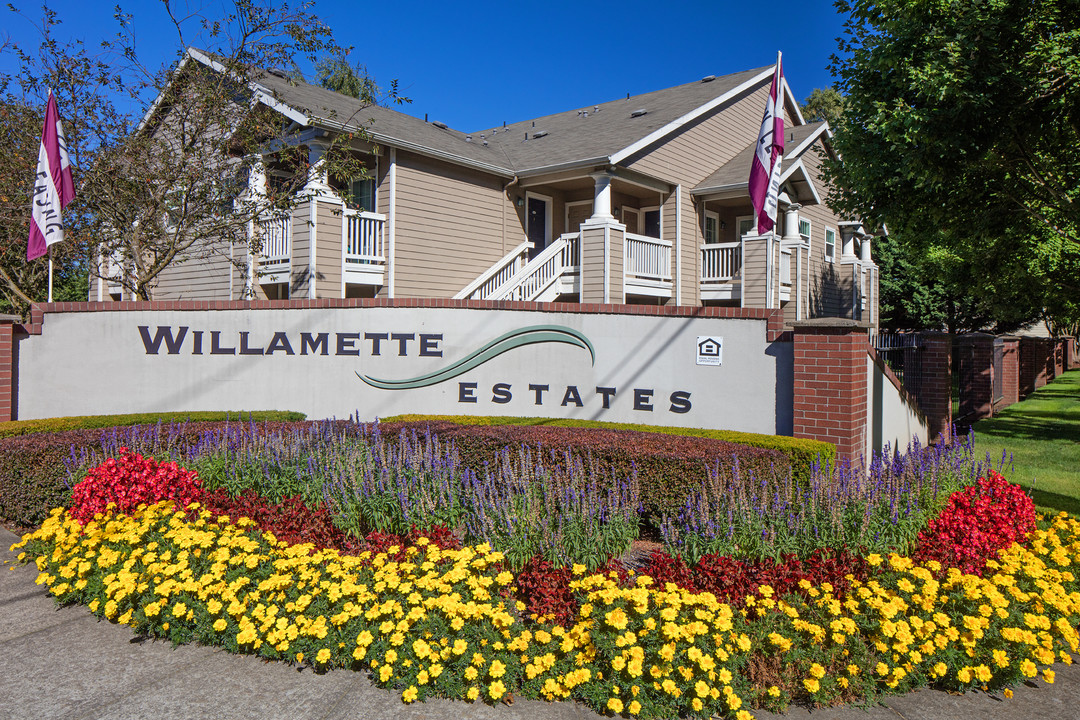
point(435, 622)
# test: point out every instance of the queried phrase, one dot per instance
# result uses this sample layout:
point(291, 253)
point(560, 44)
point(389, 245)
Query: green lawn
point(1043, 435)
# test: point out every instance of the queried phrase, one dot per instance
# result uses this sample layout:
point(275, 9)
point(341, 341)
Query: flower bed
point(434, 622)
point(322, 546)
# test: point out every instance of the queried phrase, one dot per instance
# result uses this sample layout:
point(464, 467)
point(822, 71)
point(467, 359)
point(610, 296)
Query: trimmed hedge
point(668, 467)
point(34, 466)
point(87, 422)
point(802, 453)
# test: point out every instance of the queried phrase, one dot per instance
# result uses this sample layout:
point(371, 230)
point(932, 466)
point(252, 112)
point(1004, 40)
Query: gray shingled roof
point(736, 171)
point(570, 136)
point(385, 124)
point(606, 128)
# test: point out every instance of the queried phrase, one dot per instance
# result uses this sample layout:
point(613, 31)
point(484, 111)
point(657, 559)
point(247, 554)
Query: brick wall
point(830, 383)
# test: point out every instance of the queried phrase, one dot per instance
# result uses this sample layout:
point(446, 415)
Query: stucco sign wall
point(382, 361)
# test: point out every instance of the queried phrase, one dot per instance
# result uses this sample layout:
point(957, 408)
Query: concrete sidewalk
point(65, 663)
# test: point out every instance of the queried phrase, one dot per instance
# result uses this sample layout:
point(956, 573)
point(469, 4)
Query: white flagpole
point(50, 274)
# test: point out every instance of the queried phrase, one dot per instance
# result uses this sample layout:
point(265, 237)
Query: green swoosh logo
point(514, 339)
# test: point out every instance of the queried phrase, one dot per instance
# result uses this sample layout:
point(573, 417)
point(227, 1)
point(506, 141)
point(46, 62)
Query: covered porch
point(591, 236)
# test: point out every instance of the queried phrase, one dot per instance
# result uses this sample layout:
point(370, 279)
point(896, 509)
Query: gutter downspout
point(391, 272)
point(506, 187)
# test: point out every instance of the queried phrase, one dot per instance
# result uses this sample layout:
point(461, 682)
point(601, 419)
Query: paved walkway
point(65, 664)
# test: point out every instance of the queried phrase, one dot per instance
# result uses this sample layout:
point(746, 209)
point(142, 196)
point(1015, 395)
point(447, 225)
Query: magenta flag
point(768, 154)
point(53, 186)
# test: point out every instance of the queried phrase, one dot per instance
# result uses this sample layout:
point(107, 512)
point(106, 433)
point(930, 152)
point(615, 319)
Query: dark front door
point(537, 216)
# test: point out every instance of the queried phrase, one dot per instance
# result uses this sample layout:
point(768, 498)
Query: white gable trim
point(690, 117)
point(810, 140)
point(161, 95)
point(789, 97)
point(798, 165)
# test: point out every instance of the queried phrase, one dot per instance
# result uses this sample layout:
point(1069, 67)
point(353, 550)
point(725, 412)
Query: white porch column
point(791, 222)
point(602, 196)
point(865, 249)
point(848, 235)
point(256, 196)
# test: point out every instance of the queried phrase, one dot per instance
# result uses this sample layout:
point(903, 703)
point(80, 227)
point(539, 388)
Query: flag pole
point(50, 274)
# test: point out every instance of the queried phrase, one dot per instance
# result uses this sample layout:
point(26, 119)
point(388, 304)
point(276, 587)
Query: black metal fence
point(901, 352)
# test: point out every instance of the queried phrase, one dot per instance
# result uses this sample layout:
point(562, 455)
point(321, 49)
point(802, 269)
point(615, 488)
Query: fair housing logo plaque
point(710, 350)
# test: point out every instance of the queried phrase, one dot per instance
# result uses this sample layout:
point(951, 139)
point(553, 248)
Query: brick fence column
point(977, 385)
point(7, 366)
point(1010, 372)
point(1059, 356)
point(1027, 366)
point(1044, 361)
point(831, 383)
point(935, 384)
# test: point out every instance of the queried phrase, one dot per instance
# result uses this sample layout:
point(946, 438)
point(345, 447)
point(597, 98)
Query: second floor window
point(830, 244)
point(804, 229)
point(362, 194)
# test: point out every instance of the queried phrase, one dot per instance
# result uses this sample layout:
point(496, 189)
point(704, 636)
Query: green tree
point(823, 104)
point(961, 126)
point(925, 286)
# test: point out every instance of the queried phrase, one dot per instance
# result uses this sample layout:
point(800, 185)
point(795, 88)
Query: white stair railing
point(559, 258)
point(495, 276)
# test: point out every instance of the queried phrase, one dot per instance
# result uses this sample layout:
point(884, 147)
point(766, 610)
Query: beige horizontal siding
point(328, 250)
point(452, 225)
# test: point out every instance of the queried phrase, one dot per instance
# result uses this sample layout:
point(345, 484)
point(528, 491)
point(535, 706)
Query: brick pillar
point(977, 390)
point(1043, 362)
point(1027, 366)
point(1010, 372)
point(8, 406)
point(831, 383)
point(1059, 356)
point(935, 384)
point(1072, 361)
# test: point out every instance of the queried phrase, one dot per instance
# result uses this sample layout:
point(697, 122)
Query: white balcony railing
point(276, 239)
point(647, 258)
point(275, 234)
point(720, 262)
point(363, 242)
point(363, 236)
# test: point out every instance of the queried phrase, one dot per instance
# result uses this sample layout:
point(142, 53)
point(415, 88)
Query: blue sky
point(473, 66)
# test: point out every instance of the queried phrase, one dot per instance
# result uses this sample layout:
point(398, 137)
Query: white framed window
point(830, 245)
point(743, 226)
point(650, 217)
point(804, 229)
point(712, 227)
point(361, 194)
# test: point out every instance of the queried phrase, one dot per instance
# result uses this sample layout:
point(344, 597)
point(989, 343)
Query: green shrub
point(802, 453)
point(86, 422)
